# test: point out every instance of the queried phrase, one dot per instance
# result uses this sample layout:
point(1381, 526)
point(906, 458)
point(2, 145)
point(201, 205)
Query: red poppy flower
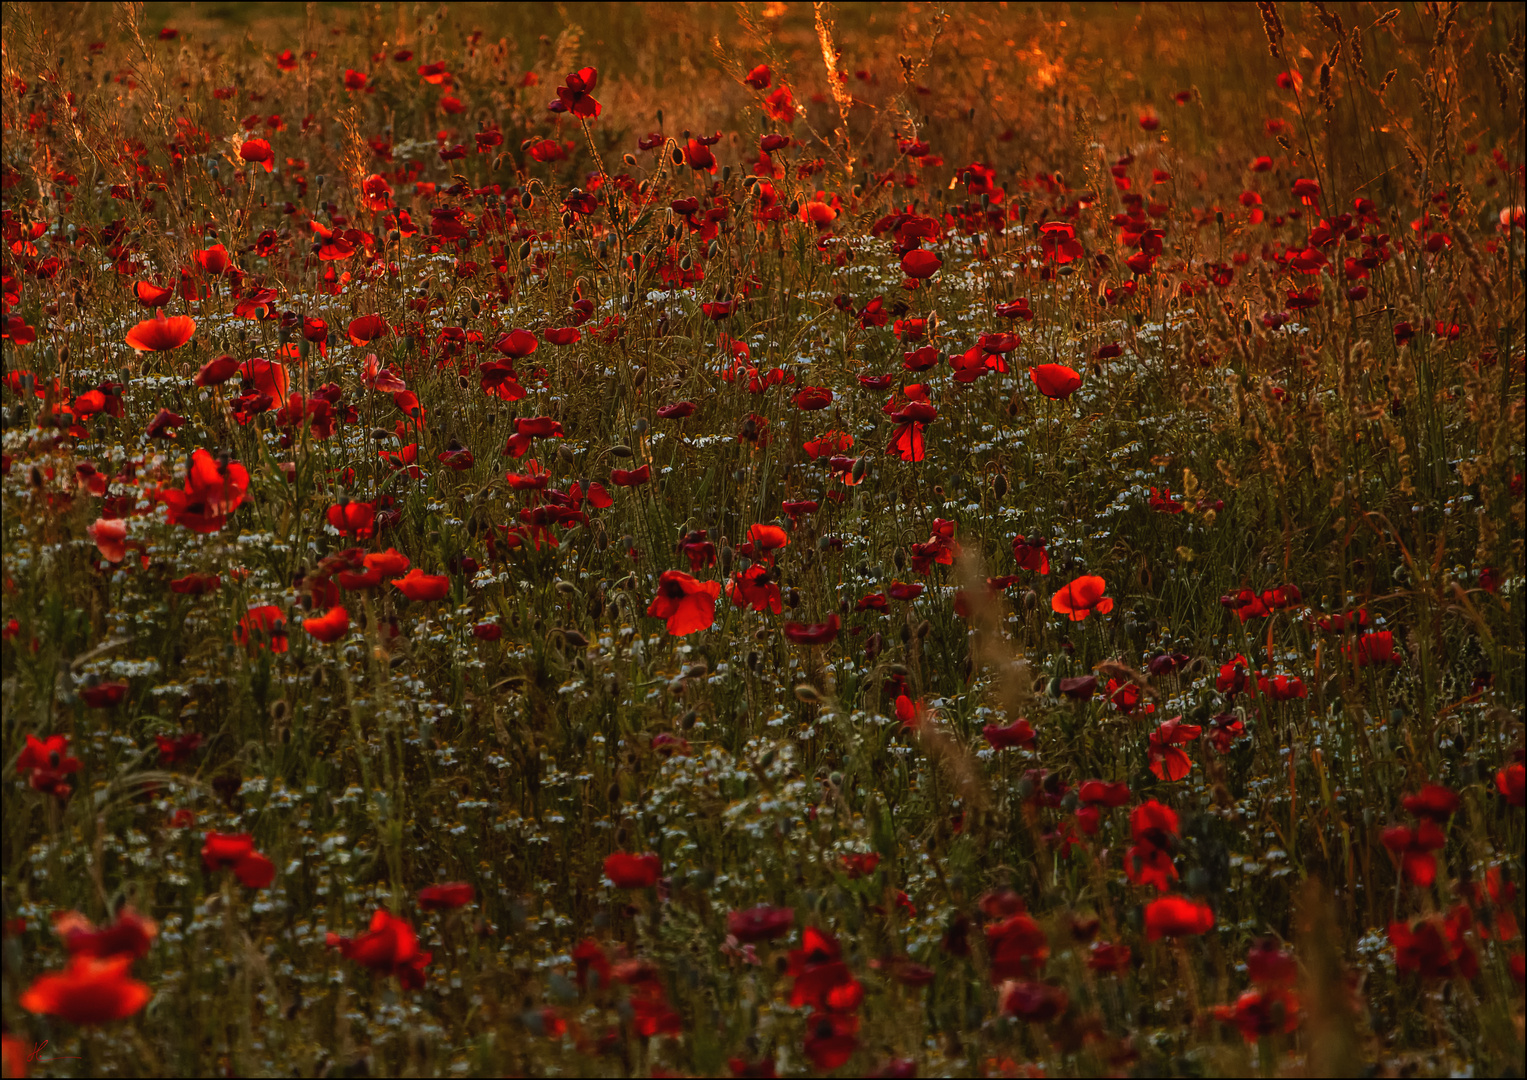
point(831, 1039)
point(1030, 554)
point(1167, 760)
point(1376, 647)
point(575, 95)
point(216, 371)
point(1082, 597)
point(1017, 945)
point(367, 328)
point(104, 695)
point(631, 477)
point(1414, 847)
point(45, 763)
point(627, 871)
point(212, 492)
point(88, 991)
point(390, 946)
point(130, 935)
point(1055, 380)
point(177, 748)
point(920, 263)
point(161, 334)
point(356, 519)
point(258, 152)
point(759, 77)
point(417, 585)
point(763, 923)
point(517, 343)
point(1434, 947)
point(260, 624)
point(1102, 793)
point(1262, 1012)
point(453, 894)
point(686, 603)
point(1035, 1002)
point(110, 536)
point(813, 633)
point(812, 398)
point(1020, 733)
point(151, 295)
point(329, 627)
point(1512, 783)
point(386, 562)
point(1177, 916)
point(752, 588)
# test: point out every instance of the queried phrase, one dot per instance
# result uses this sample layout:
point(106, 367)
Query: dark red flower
point(1177, 916)
point(763, 923)
point(813, 633)
point(627, 871)
point(453, 894)
point(389, 946)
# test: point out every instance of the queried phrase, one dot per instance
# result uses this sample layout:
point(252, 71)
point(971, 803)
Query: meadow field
point(763, 540)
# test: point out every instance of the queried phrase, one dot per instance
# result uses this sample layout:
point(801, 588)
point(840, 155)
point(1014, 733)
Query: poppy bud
point(678, 156)
point(525, 250)
point(687, 721)
point(641, 424)
point(726, 173)
point(620, 451)
point(923, 629)
point(755, 662)
point(710, 251)
point(526, 201)
point(630, 160)
point(873, 645)
point(685, 263)
point(905, 635)
point(602, 541)
point(999, 486)
point(726, 554)
point(795, 208)
point(636, 264)
point(861, 465)
point(476, 306)
point(808, 693)
point(393, 236)
point(900, 559)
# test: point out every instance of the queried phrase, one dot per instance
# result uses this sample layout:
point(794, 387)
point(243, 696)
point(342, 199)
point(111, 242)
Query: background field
point(1258, 810)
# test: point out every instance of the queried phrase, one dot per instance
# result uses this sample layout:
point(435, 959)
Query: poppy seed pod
point(678, 156)
point(808, 693)
point(526, 201)
point(999, 486)
point(899, 557)
point(620, 451)
point(924, 628)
